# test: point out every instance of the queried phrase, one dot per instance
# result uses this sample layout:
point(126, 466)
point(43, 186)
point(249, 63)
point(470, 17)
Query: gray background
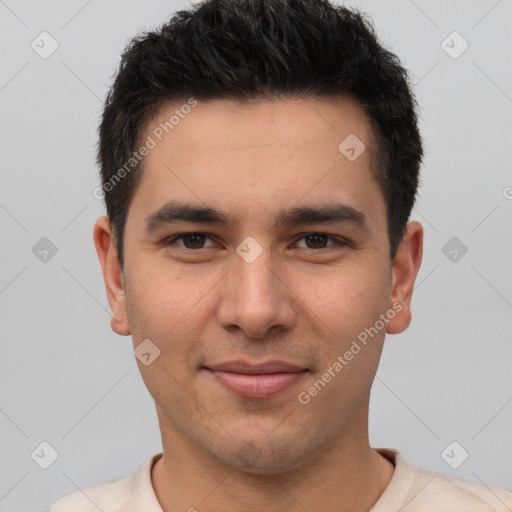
point(67, 379)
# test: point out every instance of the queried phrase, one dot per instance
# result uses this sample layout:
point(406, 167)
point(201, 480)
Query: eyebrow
point(175, 211)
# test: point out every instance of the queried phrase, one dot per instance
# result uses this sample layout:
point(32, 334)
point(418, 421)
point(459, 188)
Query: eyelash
point(337, 241)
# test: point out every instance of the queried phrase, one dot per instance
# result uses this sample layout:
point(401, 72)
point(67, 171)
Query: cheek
point(168, 306)
point(342, 308)
point(165, 307)
point(341, 299)
point(160, 294)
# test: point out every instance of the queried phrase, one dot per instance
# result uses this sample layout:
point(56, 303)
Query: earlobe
point(405, 269)
point(119, 328)
point(112, 275)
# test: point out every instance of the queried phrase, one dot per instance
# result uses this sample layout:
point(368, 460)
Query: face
point(259, 317)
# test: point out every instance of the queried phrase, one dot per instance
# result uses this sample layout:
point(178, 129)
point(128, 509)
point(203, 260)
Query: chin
point(263, 457)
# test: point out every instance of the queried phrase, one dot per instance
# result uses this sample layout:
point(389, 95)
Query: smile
point(257, 382)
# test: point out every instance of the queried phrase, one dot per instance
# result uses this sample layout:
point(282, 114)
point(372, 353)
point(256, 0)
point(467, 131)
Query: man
point(259, 161)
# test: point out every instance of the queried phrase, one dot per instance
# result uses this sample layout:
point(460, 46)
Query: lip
point(256, 380)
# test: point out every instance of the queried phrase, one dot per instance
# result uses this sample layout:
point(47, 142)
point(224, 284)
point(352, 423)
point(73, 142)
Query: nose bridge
point(255, 299)
point(254, 276)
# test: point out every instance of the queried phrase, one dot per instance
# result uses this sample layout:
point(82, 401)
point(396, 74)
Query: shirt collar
point(142, 492)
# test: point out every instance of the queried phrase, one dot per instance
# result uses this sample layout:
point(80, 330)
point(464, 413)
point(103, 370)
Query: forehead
point(292, 123)
point(248, 156)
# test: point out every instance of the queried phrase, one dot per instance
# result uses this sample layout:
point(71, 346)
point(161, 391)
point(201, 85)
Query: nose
point(256, 297)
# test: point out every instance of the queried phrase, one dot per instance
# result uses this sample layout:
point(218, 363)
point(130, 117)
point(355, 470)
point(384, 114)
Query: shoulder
point(106, 497)
point(454, 495)
point(425, 491)
point(134, 492)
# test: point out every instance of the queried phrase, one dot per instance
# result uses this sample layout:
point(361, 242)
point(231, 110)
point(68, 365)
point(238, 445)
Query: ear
point(112, 275)
point(405, 269)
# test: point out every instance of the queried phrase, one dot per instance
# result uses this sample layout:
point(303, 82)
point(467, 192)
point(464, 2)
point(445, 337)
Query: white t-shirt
point(411, 489)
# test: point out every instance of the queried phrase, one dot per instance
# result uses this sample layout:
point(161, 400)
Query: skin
point(295, 302)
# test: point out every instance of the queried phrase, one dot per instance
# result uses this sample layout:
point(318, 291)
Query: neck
point(349, 476)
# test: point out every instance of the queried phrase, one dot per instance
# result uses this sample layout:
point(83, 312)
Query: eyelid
point(338, 241)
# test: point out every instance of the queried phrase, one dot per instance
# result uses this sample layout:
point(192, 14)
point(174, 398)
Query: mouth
point(256, 380)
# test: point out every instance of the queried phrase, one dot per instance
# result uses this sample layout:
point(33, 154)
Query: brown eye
point(195, 241)
point(190, 240)
point(319, 241)
point(316, 241)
